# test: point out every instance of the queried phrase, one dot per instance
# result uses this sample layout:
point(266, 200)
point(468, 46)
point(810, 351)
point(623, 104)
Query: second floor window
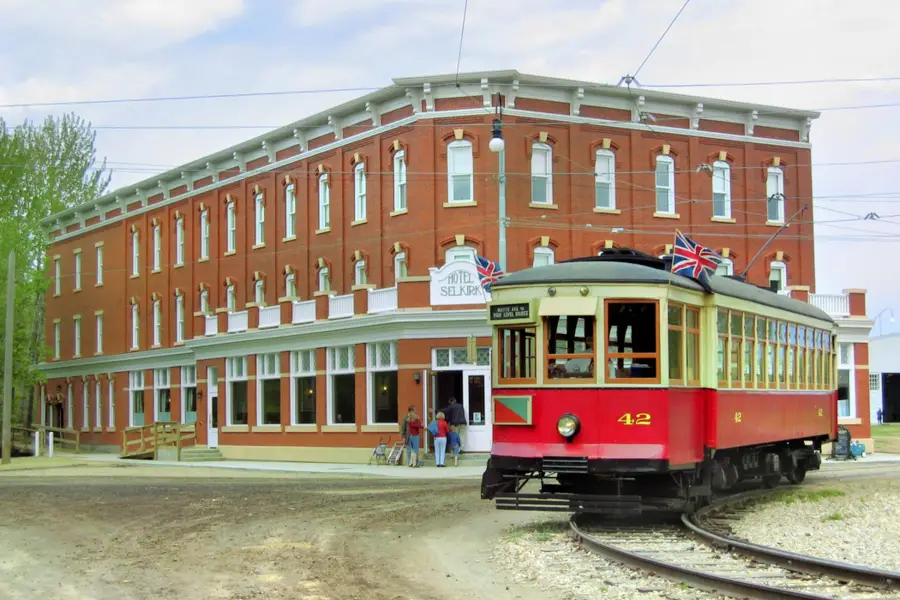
point(204, 234)
point(77, 336)
point(179, 241)
point(399, 181)
point(324, 202)
point(359, 272)
point(324, 280)
point(78, 271)
point(58, 276)
point(179, 319)
point(721, 181)
point(259, 292)
point(400, 265)
point(460, 172)
point(665, 185)
point(157, 323)
point(541, 174)
point(99, 265)
point(135, 326)
point(260, 220)
point(99, 340)
point(605, 180)
point(230, 300)
point(775, 195)
point(231, 224)
point(543, 257)
point(157, 248)
point(290, 211)
point(359, 192)
point(135, 253)
point(204, 301)
point(290, 286)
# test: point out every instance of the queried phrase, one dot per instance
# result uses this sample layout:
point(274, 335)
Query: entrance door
point(212, 407)
point(476, 400)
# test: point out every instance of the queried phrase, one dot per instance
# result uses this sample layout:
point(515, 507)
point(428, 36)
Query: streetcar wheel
point(771, 481)
point(796, 475)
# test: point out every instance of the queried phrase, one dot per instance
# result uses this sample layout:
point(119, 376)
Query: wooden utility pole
point(8, 369)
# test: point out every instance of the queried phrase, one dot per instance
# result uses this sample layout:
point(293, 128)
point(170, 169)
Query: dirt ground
point(98, 533)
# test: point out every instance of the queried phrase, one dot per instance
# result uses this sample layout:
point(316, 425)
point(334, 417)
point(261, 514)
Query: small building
point(884, 378)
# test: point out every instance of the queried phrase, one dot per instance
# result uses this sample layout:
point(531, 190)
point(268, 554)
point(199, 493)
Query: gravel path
point(854, 521)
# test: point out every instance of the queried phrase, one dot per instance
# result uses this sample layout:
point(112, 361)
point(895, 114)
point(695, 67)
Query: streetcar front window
point(518, 355)
point(570, 347)
point(632, 341)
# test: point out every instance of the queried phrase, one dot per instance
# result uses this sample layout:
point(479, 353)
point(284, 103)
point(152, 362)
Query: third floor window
point(605, 180)
point(399, 181)
point(157, 248)
point(665, 185)
point(324, 202)
point(359, 192)
point(721, 182)
point(290, 211)
point(204, 234)
point(260, 210)
point(231, 224)
point(541, 174)
point(179, 241)
point(460, 172)
point(775, 195)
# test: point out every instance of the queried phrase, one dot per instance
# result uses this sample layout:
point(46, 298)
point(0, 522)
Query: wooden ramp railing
point(145, 441)
point(63, 438)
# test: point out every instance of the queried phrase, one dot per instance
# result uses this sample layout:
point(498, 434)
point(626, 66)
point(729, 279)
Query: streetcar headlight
point(568, 425)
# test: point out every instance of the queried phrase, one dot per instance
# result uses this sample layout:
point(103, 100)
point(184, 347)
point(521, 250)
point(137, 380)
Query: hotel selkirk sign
point(457, 282)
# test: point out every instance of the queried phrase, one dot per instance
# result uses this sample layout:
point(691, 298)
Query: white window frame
point(775, 187)
point(135, 384)
point(98, 404)
point(401, 269)
point(57, 335)
point(85, 405)
point(157, 323)
point(324, 280)
point(725, 268)
point(455, 149)
point(70, 407)
point(57, 267)
point(359, 273)
point(232, 377)
point(76, 346)
point(230, 298)
point(290, 211)
point(331, 369)
point(110, 405)
point(77, 271)
point(373, 356)
point(135, 326)
point(99, 333)
point(547, 257)
point(359, 192)
point(297, 372)
point(290, 285)
point(188, 376)
point(542, 158)
point(847, 365)
point(179, 241)
point(721, 186)
point(268, 366)
point(259, 292)
point(781, 268)
point(99, 265)
point(231, 227)
point(400, 189)
point(464, 253)
point(204, 301)
point(260, 212)
point(668, 188)
point(157, 247)
point(204, 234)
point(162, 380)
point(135, 253)
point(605, 177)
point(179, 319)
point(324, 202)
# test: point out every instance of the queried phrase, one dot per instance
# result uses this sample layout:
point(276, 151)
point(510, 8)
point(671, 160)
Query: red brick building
point(282, 294)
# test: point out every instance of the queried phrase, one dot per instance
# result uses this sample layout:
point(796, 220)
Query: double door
point(472, 388)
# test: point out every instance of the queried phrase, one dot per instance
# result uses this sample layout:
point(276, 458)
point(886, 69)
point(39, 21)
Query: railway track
point(700, 552)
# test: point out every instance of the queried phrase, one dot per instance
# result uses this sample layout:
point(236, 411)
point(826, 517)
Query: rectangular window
point(341, 385)
point(204, 301)
point(792, 356)
point(111, 404)
point(230, 299)
point(802, 369)
point(721, 182)
point(260, 205)
point(77, 342)
point(399, 181)
point(179, 241)
point(157, 323)
point(290, 286)
point(290, 211)
point(605, 180)
point(760, 359)
point(70, 407)
point(268, 389)
point(85, 406)
point(236, 390)
point(460, 167)
point(135, 326)
point(359, 272)
point(676, 343)
point(99, 265)
point(98, 404)
point(359, 192)
point(157, 248)
point(665, 185)
point(56, 340)
point(541, 174)
point(324, 280)
point(543, 257)
point(57, 273)
point(722, 347)
point(782, 354)
point(163, 393)
point(748, 351)
point(231, 225)
point(775, 195)
point(570, 347)
point(179, 319)
point(518, 355)
point(632, 341)
point(99, 333)
point(384, 403)
point(324, 202)
point(400, 266)
point(136, 398)
point(303, 387)
point(735, 349)
point(259, 292)
point(684, 345)
point(77, 271)
point(204, 234)
point(692, 345)
point(135, 253)
point(189, 394)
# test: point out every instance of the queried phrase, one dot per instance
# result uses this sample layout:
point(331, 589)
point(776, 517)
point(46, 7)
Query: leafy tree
point(44, 168)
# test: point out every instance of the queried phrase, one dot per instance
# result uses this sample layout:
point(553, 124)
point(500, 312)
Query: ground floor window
point(236, 390)
point(341, 385)
point(189, 394)
point(136, 398)
point(268, 375)
point(161, 386)
point(383, 394)
point(303, 387)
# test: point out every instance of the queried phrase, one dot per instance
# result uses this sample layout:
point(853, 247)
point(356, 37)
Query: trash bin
point(841, 448)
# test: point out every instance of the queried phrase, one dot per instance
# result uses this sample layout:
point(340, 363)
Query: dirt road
point(104, 533)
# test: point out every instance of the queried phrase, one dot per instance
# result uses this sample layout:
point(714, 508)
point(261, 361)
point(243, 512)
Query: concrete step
point(469, 459)
point(201, 454)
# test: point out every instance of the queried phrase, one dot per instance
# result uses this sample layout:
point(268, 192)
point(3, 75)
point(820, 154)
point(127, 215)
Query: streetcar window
point(692, 345)
point(570, 347)
point(518, 357)
point(632, 340)
point(676, 344)
point(684, 344)
point(735, 349)
point(722, 347)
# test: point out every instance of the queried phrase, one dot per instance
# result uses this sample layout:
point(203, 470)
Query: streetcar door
point(477, 402)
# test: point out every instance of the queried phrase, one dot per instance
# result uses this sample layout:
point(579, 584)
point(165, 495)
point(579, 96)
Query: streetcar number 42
point(636, 419)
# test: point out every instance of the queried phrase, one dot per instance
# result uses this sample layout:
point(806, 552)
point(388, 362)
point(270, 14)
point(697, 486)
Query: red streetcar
point(697, 387)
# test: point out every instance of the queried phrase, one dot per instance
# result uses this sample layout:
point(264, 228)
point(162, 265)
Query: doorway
point(890, 397)
point(212, 407)
point(472, 388)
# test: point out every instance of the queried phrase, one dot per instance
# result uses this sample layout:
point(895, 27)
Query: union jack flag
point(488, 272)
point(693, 260)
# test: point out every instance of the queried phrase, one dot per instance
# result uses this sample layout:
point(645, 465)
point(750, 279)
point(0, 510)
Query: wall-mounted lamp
point(417, 377)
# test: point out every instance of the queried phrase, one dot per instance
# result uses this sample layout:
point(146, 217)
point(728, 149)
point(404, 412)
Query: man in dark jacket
point(456, 418)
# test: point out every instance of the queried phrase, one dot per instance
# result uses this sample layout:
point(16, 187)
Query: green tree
point(44, 168)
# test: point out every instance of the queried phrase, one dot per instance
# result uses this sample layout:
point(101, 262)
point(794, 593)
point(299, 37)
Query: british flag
point(488, 272)
point(693, 260)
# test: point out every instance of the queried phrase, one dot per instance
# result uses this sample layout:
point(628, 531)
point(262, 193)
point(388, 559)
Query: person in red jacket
point(440, 440)
point(413, 429)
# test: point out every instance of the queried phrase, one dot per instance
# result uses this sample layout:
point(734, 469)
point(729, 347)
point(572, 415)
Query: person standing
point(413, 429)
point(880, 416)
point(440, 431)
point(456, 418)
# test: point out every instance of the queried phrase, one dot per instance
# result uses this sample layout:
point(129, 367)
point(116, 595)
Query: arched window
point(259, 292)
point(324, 202)
point(541, 174)
point(460, 172)
point(231, 224)
point(230, 300)
point(543, 257)
point(324, 280)
point(260, 207)
point(359, 272)
point(726, 267)
point(665, 184)
point(290, 211)
point(605, 179)
point(721, 183)
point(359, 192)
point(400, 268)
point(775, 195)
point(466, 253)
point(290, 286)
point(777, 276)
point(399, 181)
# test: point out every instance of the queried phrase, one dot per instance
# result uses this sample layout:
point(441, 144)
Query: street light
point(886, 310)
point(498, 146)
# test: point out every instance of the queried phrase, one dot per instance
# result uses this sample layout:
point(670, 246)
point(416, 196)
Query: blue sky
point(52, 50)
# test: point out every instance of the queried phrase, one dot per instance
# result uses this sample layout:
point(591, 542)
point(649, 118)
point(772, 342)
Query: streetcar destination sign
point(508, 312)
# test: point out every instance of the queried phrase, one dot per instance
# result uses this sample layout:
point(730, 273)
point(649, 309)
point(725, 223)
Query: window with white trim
point(77, 347)
point(268, 389)
point(384, 403)
point(135, 253)
point(57, 273)
point(874, 382)
point(460, 172)
point(111, 404)
point(85, 405)
point(324, 280)
point(775, 195)
point(231, 227)
point(56, 339)
point(290, 211)
point(359, 192)
point(341, 398)
point(665, 184)
point(303, 387)
point(157, 323)
point(845, 387)
point(157, 247)
point(99, 336)
point(189, 394)
point(179, 319)
point(259, 292)
point(726, 267)
point(136, 398)
point(162, 393)
point(541, 174)
point(236, 384)
point(204, 301)
point(290, 286)
point(70, 407)
point(400, 181)
point(464, 253)
point(777, 276)
point(359, 272)
point(135, 326)
point(204, 233)
point(230, 299)
point(99, 265)
point(543, 257)
point(721, 184)
point(605, 179)
point(77, 271)
point(324, 202)
point(98, 404)
point(260, 206)
point(400, 269)
point(179, 241)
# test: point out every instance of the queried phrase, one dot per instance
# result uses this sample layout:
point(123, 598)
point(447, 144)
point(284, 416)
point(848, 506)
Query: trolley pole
point(7, 372)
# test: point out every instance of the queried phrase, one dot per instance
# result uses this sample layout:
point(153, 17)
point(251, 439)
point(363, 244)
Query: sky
point(61, 51)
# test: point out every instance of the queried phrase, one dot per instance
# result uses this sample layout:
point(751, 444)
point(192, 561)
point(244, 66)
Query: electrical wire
point(774, 83)
point(652, 50)
point(462, 34)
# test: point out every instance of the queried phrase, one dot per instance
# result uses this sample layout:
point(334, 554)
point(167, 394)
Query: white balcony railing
point(383, 300)
point(269, 316)
point(836, 305)
point(238, 321)
point(212, 324)
point(303, 312)
point(340, 307)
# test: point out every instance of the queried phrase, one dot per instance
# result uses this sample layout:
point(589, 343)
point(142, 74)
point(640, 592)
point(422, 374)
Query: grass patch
point(887, 437)
point(792, 495)
point(539, 532)
point(23, 463)
point(836, 516)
